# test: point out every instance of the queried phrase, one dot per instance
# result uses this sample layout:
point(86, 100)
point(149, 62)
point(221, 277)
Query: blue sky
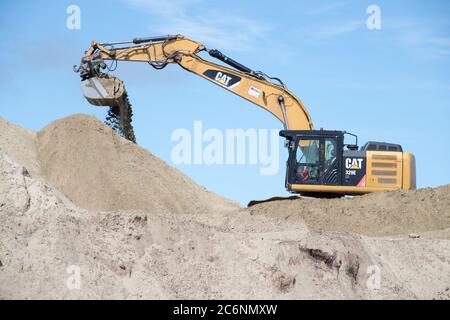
point(390, 85)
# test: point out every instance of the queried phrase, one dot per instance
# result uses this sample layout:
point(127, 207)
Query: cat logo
point(223, 78)
point(353, 163)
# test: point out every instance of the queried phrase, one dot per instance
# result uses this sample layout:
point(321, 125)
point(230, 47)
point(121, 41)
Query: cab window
point(307, 166)
point(330, 152)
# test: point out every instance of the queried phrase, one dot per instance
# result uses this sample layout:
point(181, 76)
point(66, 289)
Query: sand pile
point(20, 144)
point(48, 227)
point(96, 169)
point(382, 213)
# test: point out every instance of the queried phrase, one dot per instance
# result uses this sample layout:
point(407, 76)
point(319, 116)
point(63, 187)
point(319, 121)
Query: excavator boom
point(255, 86)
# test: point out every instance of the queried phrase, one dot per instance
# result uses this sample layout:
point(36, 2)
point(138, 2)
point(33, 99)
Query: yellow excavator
point(320, 163)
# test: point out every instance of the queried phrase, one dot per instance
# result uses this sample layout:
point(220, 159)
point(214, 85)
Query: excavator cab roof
point(296, 134)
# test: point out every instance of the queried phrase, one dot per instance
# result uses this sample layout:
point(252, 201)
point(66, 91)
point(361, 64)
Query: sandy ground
point(75, 195)
point(378, 214)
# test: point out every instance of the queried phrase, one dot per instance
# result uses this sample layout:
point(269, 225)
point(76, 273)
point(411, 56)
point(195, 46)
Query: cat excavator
point(320, 162)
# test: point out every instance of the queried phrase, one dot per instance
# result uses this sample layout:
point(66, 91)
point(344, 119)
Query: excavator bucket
point(103, 91)
point(108, 90)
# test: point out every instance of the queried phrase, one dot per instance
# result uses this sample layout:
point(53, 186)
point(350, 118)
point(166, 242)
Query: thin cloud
point(339, 29)
point(425, 44)
point(189, 17)
point(327, 8)
point(433, 47)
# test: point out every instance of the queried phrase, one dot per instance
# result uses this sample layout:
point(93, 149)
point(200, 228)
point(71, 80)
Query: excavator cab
point(321, 164)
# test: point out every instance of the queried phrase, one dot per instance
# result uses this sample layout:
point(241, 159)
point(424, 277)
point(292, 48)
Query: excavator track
point(303, 195)
point(255, 202)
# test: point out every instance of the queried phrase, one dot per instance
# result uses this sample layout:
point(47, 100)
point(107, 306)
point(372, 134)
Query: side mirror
point(352, 147)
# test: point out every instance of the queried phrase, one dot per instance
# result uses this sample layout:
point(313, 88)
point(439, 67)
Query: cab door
point(332, 161)
point(316, 160)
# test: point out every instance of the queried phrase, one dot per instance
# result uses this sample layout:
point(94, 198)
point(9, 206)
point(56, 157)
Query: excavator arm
point(268, 93)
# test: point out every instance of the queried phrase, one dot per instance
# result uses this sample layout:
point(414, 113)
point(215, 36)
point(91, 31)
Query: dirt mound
point(20, 144)
point(144, 246)
point(98, 170)
point(46, 243)
point(376, 214)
